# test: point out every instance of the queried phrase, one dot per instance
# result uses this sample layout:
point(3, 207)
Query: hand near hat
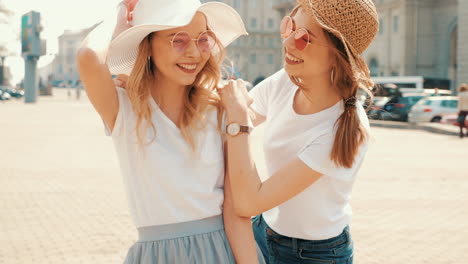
point(130, 4)
point(124, 16)
point(98, 40)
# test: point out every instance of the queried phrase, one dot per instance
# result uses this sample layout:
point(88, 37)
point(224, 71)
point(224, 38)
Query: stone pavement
point(62, 200)
point(438, 128)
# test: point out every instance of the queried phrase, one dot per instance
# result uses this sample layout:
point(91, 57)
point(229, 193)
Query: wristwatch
point(235, 129)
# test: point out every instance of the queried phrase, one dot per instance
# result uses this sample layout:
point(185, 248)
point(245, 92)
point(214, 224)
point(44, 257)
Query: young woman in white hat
point(316, 134)
point(165, 126)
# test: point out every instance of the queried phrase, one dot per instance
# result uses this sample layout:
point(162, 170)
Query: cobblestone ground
point(62, 200)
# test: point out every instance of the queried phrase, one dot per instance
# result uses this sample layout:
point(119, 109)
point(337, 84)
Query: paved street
point(62, 200)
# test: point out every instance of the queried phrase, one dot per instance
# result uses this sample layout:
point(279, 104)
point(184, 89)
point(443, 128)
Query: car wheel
point(436, 119)
point(404, 118)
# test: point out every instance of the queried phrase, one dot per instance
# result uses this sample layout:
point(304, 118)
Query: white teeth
point(188, 66)
point(293, 58)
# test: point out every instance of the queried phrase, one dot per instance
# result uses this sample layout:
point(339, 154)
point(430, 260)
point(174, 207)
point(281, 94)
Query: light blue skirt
point(201, 241)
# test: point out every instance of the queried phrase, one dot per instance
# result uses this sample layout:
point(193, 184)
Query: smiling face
point(317, 58)
point(180, 66)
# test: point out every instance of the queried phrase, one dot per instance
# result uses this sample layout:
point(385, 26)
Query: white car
point(432, 109)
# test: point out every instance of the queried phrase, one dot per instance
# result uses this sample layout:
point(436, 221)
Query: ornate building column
point(462, 54)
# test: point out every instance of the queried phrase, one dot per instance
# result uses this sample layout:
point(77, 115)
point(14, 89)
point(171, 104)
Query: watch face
point(233, 129)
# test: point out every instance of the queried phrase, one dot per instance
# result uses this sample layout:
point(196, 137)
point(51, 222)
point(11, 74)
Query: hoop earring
point(332, 76)
point(148, 64)
point(297, 79)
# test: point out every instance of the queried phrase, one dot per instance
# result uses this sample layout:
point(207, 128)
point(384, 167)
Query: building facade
point(462, 43)
point(64, 68)
point(284, 7)
point(417, 38)
point(259, 54)
point(69, 43)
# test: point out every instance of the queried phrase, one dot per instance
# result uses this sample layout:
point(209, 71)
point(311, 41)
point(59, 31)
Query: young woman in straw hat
point(316, 134)
point(165, 127)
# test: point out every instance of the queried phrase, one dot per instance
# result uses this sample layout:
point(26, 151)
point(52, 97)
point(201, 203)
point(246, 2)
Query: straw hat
point(155, 15)
point(354, 22)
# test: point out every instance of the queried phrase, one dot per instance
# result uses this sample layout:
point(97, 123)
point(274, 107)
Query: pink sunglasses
point(205, 41)
point(302, 37)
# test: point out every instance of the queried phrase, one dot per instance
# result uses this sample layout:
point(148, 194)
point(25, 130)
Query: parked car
point(398, 107)
point(4, 95)
point(438, 92)
point(12, 91)
point(377, 106)
point(432, 109)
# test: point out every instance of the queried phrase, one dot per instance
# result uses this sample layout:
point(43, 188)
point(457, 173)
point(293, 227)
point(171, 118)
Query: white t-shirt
point(322, 210)
point(165, 181)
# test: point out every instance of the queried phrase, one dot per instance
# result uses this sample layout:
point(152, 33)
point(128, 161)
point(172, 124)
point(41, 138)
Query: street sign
point(30, 31)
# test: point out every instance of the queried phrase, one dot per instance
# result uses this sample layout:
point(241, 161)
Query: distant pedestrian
point(462, 108)
point(78, 89)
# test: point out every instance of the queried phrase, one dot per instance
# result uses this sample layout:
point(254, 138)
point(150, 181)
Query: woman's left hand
point(235, 97)
point(121, 81)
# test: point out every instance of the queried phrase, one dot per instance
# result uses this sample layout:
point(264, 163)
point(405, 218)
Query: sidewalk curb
point(432, 128)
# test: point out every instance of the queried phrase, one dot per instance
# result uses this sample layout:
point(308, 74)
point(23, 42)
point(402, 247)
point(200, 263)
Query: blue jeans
point(278, 249)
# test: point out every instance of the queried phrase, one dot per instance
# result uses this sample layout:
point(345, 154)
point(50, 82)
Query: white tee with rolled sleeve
point(322, 210)
point(165, 181)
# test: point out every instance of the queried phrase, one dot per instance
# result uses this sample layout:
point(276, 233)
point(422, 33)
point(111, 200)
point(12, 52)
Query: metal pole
point(2, 70)
point(30, 79)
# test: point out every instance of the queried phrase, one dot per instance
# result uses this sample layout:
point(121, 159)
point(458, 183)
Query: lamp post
point(31, 48)
point(2, 69)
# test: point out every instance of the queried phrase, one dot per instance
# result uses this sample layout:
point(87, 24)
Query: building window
point(236, 3)
point(271, 23)
point(380, 26)
point(374, 67)
point(396, 22)
point(253, 3)
point(70, 56)
point(270, 59)
point(237, 56)
point(254, 41)
point(253, 58)
point(271, 42)
point(253, 22)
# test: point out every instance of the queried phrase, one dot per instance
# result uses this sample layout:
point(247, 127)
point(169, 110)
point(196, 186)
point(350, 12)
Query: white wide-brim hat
point(155, 15)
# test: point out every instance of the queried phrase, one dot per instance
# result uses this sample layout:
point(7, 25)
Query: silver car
point(432, 109)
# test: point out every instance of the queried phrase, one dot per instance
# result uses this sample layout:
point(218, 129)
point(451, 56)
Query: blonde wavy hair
point(197, 98)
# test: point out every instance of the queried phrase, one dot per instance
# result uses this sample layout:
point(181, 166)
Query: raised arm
point(94, 73)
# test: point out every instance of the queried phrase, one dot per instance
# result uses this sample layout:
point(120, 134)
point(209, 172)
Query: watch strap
point(245, 129)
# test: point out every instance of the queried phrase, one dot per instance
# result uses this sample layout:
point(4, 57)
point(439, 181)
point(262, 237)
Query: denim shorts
point(279, 249)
